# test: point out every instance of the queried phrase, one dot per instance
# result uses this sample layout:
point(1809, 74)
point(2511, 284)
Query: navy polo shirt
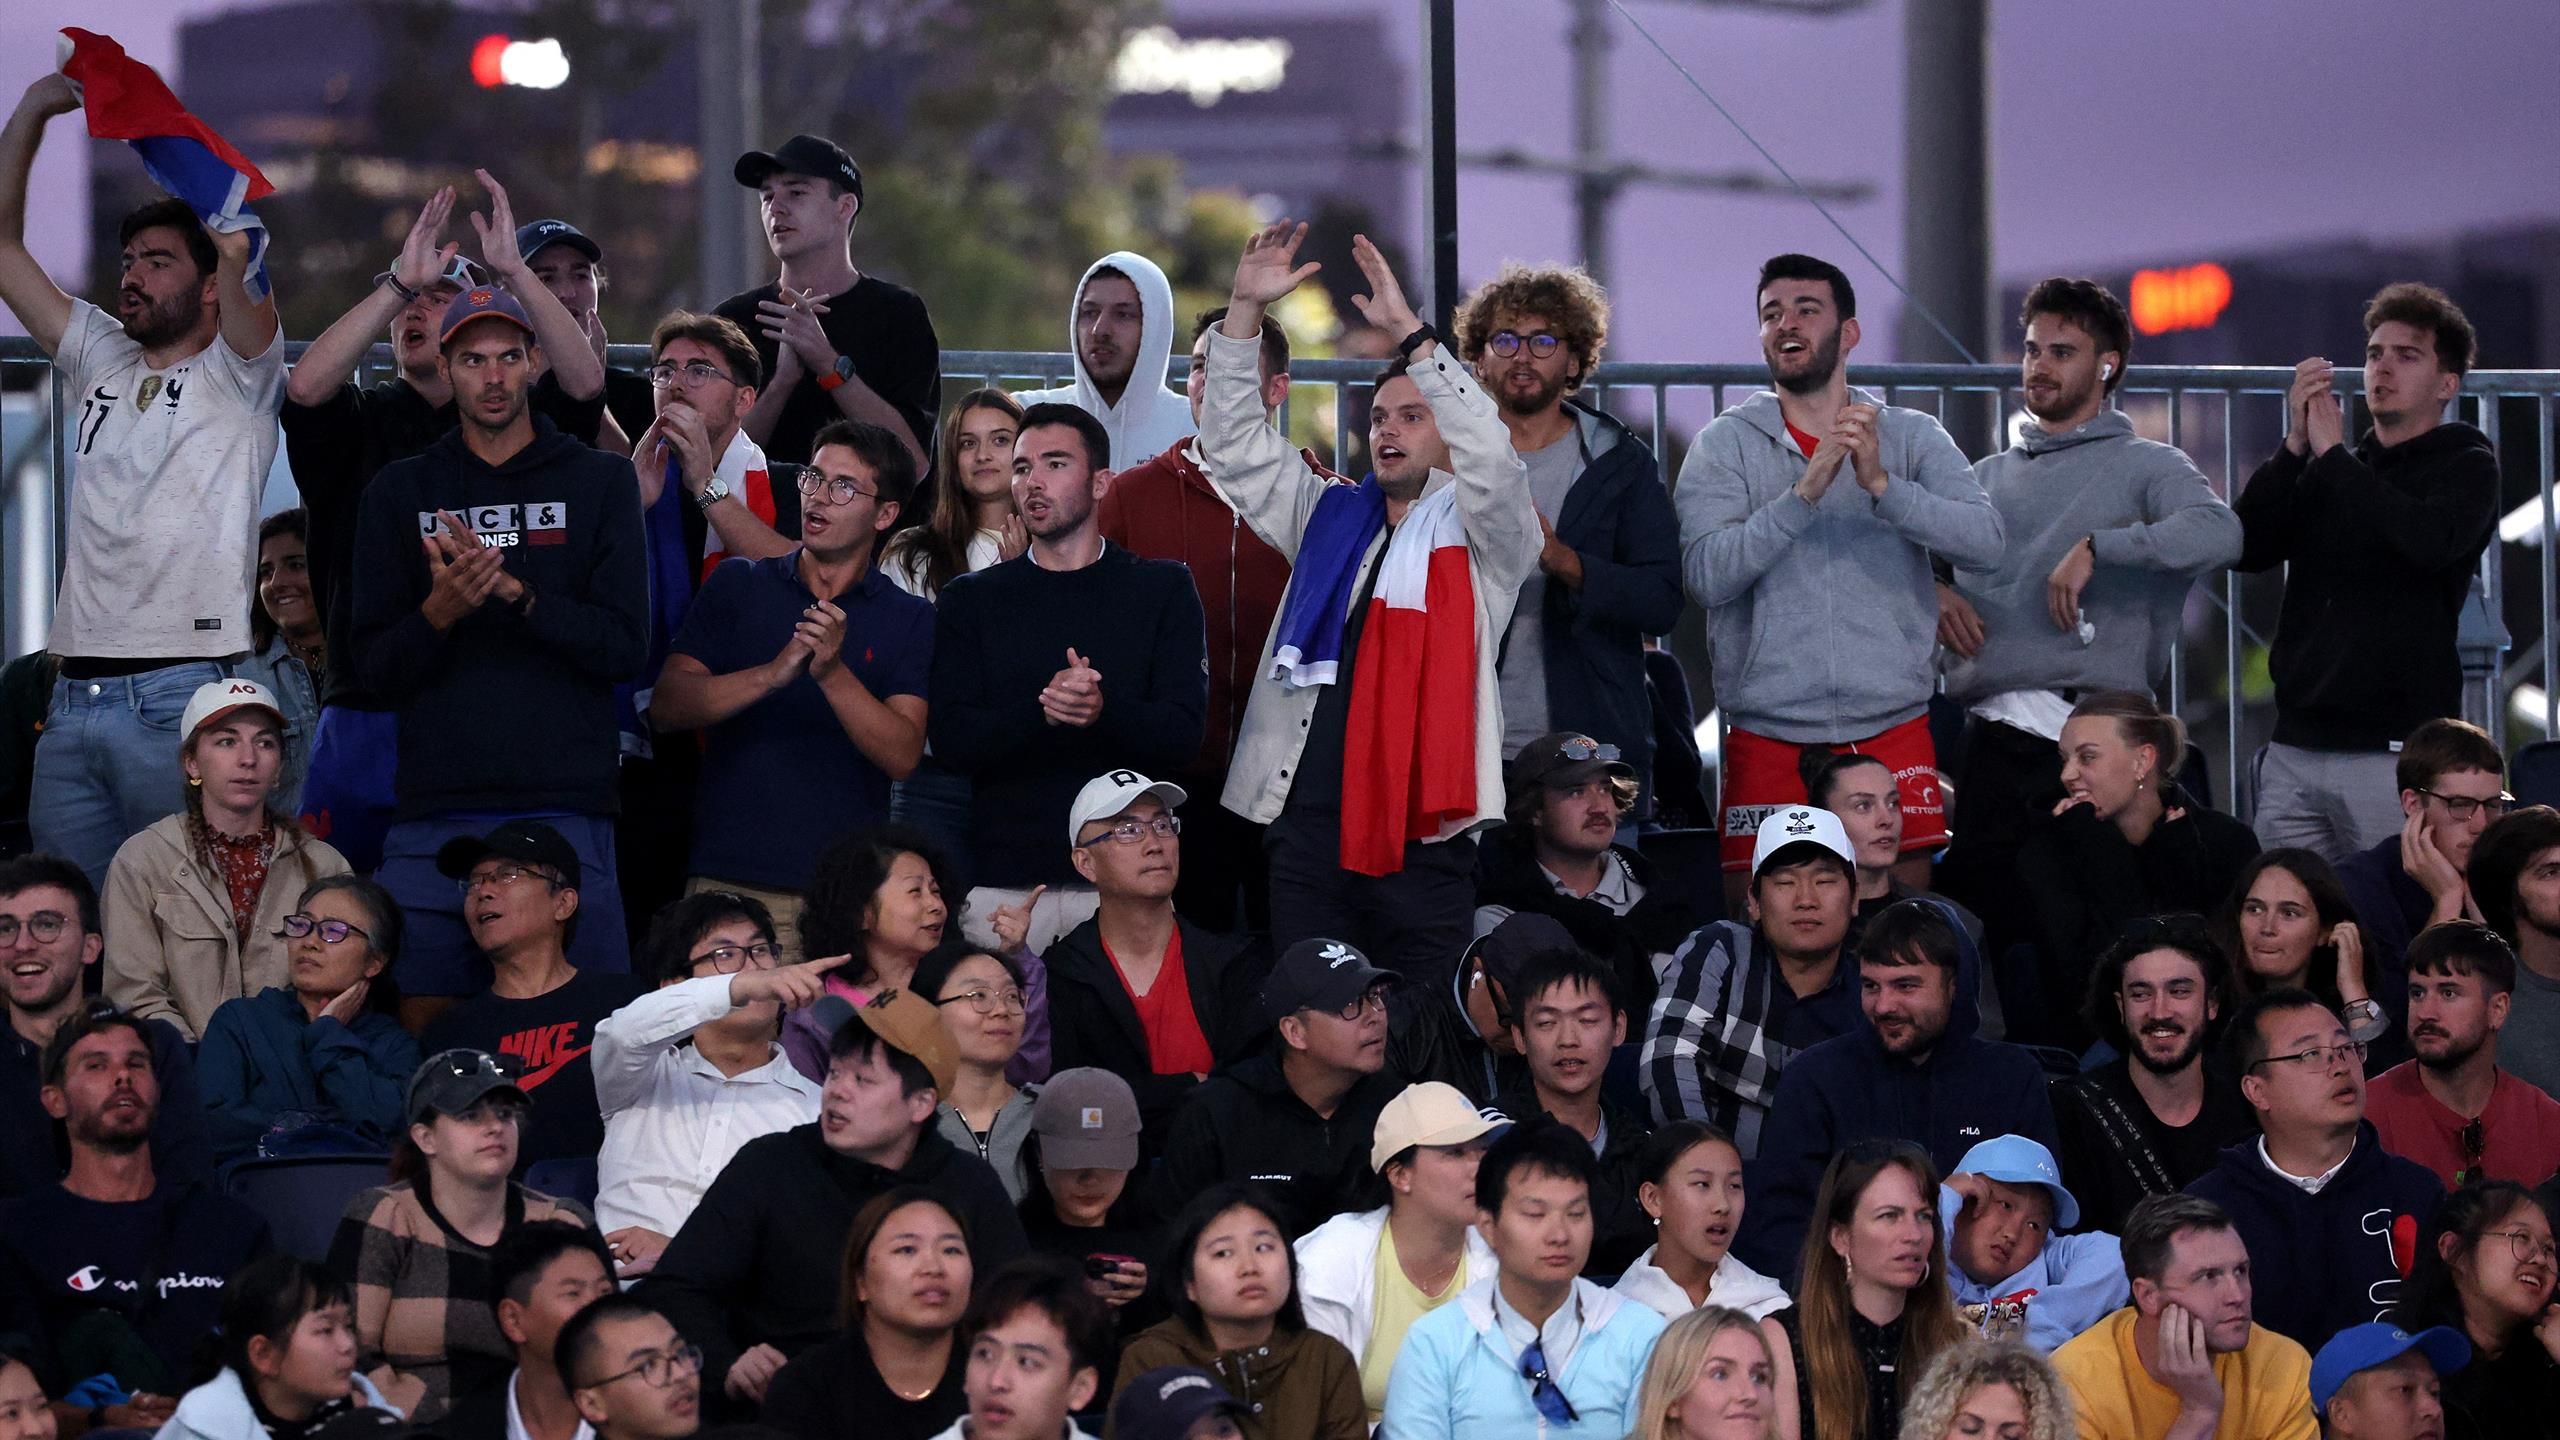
point(781, 780)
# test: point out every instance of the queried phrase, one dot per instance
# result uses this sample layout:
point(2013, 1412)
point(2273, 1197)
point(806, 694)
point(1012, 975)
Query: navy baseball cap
point(542, 234)
point(2361, 1347)
point(1164, 1403)
point(527, 842)
point(486, 302)
point(800, 155)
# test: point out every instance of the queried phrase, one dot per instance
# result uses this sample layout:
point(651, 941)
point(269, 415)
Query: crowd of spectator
point(690, 843)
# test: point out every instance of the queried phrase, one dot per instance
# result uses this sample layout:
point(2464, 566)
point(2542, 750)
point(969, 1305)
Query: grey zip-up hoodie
point(2154, 525)
point(1823, 619)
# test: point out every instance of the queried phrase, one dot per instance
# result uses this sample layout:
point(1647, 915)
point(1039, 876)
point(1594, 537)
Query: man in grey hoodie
point(1121, 330)
point(1818, 593)
point(2106, 531)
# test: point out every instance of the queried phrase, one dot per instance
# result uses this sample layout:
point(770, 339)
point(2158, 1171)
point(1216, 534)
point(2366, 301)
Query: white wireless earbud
point(2106, 370)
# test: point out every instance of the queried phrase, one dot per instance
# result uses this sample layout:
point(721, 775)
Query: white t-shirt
point(169, 468)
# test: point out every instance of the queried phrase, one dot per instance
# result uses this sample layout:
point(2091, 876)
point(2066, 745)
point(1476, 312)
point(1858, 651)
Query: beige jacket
point(172, 953)
point(1263, 476)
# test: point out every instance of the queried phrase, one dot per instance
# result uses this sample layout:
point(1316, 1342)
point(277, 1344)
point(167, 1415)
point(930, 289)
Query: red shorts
point(1759, 775)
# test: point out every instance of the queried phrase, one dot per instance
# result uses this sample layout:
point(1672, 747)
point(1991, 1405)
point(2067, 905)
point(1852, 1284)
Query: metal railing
point(2227, 418)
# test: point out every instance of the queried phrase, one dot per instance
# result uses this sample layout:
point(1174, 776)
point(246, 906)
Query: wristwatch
point(714, 491)
point(2365, 1019)
point(1413, 342)
point(839, 375)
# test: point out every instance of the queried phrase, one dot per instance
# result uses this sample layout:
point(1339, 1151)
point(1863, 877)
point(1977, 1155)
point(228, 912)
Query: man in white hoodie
point(1121, 330)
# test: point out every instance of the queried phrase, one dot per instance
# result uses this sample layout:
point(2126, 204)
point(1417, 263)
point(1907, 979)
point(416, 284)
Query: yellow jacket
point(2266, 1387)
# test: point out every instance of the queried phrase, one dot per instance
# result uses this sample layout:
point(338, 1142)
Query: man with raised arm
point(338, 435)
point(176, 428)
point(1372, 742)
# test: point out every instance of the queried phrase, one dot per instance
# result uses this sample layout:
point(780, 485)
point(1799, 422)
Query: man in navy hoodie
point(2328, 1215)
point(1915, 1071)
point(500, 594)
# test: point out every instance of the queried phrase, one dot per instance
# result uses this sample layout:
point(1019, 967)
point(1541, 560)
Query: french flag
point(127, 100)
point(1409, 742)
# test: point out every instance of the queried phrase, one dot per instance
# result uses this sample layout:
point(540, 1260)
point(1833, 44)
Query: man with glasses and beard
point(175, 431)
point(338, 435)
point(808, 672)
point(1817, 589)
point(1609, 572)
point(2452, 1109)
point(1069, 660)
point(2106, 532)
point(2160, 1114)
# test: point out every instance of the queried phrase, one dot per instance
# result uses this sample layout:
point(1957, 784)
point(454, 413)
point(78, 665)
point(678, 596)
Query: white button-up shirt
point(671, 1119)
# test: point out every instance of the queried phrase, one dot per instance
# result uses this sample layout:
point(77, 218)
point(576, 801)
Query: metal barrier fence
point(2227, 418)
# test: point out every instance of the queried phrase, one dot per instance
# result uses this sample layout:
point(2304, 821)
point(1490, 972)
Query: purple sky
point(2169, 130)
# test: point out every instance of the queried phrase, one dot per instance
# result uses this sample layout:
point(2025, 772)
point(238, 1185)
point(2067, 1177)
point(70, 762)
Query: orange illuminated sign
point(2190, 298)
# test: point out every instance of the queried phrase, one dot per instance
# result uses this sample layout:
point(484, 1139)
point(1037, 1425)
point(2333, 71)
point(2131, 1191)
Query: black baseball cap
point(1319, 975)
point(452, 1081)
point(528, 842)
point(542, 234)
point(1166, 1402)
point(1506, 948)
point(800, 155)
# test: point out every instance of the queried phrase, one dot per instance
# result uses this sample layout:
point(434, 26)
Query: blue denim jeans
point(107, 763)
point(437, 956)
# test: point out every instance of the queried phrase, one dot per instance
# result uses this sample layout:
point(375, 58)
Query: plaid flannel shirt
point(1707, 1051)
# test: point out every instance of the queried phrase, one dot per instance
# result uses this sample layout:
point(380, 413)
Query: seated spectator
point(1567, 1015)
point(1468, 1042)
point(979, 997)
point(86, 1264)
point(1872, 1305)
point(2010, 1272)
point(753, 1276)
point(1051, 667)
point(2452, 786)
point(1917, 1071)
point(523, 610)
point(288, 1361)
point(2451, 1108)
point(2379, 539)
point(1365, 1278)
point(2161, 1112)
point(1740, 1001)
point(1140, 990)
point(897, 1370)
point(318, 1063)
point(289, 642)
point(1556, 854)
point(1861, 790)
point(1532, 1348)
point(2513, 867)
point(519, 884)
point(2287, 923)
point(1177, 1402)
point(1372, 814)
point(49, 939)
point(1298, 1118)
point(194, 901)
point(1691, 1184)
point(1994, 1388)
point(2126, 842)
point(2316, 1198)
point(542, 1273)
point(688, 1073)
point(2377, 1381)
point(1712, 1376)
point(2185, 1360)
point(806, 672)
point(25, 1414)
point(1231, 1280)
point(630, 1374)
point(2485, 1270)
point(1037, 1342)
point(1083, 1146)
point(418, 1250)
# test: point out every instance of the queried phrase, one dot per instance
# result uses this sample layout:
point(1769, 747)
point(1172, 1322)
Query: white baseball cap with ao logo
point(215, 700)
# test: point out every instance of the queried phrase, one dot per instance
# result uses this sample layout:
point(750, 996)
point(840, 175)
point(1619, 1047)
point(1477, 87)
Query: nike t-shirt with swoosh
point(549, 1035)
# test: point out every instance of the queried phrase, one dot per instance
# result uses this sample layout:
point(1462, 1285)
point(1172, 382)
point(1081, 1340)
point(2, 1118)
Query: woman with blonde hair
point(1712, 1377)
point(1998, 1390)
point(1872, 1309)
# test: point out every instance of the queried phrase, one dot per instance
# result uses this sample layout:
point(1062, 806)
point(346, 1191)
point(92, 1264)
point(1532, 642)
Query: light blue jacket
point(1458, 1374)
point(2079, 1280)
point(219, 1409)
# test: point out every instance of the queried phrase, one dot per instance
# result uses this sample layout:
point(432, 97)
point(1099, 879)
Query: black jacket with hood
point(2320, 1263)
point(507, 711)
point(1848, 1089)
point(1093, 1022)
point(1245, 1123)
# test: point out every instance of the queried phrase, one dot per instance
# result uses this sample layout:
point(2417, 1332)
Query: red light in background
point(2191, 298)
point(488, 62)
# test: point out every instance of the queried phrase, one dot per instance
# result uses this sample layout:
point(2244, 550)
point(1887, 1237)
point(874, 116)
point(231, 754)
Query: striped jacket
point(1709, 1052)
